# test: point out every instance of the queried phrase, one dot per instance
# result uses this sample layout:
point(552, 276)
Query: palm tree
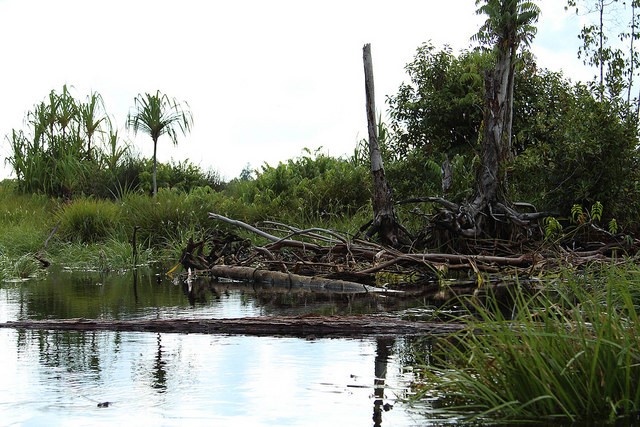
point(90, 117)
point(157, 115)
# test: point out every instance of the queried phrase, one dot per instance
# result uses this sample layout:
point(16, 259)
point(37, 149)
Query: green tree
point(157, 115)
point(603, 46)
point(91, 117)
point(440, 109)
point(509, 25)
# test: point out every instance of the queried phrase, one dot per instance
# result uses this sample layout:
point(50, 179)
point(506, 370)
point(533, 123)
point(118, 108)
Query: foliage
point(88, 220)
point(310, 188)
point(570, 353)
point(441, 109)
point(580, 152)
point(570, 147)
point(182, 176)
point(158, 115)
point(165, 218)
point(25, 221)
point(613, 55)
point(509, 23)
point(108, 255)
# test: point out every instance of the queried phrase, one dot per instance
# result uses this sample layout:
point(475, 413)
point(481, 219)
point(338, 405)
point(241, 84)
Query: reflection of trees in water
point(71, 351)
point(282, 300)
point(199, 292)
point(384, 348)
point(82, 352)
point(409, 353)
point(64, 294)
point(158, 372)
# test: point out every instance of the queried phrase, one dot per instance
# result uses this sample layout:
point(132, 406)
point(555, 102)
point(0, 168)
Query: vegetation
point(308, 190)
point(158, 115)
point(569, 352)
point(472, 129)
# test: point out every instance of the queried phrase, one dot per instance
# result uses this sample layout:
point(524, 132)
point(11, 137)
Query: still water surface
point(58, 378)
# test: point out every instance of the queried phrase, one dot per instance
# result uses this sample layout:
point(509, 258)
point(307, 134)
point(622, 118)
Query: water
point(60, 378)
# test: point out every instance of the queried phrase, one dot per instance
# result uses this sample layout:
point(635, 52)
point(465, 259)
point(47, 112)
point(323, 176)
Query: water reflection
point(146, 294)
point(60, 377)
point(158, 372)
point(175, 379)
point(383, 351)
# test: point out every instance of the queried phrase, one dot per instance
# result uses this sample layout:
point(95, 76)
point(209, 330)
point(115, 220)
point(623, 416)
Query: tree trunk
point(384, 218)
point(495, 150)
point(291, 280)
point(300, 326)
point(155, 168)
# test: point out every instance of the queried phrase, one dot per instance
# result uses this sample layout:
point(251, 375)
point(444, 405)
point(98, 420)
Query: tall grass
point(107, 256)
point(571, 353)
point(89, 220)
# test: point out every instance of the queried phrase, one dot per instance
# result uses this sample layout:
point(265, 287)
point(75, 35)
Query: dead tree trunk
point(490, 201)
point(384, 219)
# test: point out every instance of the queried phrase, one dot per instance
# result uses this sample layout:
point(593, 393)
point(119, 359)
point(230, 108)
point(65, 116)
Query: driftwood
point(289, 279)
point(325, 260)
point(302, 326)
point(354, 256)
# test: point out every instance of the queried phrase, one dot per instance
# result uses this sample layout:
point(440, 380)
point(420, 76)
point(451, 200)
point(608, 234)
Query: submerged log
point(300, 326)
point(289, 279)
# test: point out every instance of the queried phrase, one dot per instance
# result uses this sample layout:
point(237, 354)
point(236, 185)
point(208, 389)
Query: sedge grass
point(570, 354)
point(106, 256)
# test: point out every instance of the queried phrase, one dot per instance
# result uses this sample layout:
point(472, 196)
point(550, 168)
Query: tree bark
point(301, 326)
point(384, 219)
point(289, 279)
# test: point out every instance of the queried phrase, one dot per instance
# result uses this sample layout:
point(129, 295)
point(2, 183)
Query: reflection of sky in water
point(178, 379)
point(230, 305)
point(58, 378)
point(63, 294)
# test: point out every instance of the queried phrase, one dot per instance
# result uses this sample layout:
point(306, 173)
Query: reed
point(571, 353)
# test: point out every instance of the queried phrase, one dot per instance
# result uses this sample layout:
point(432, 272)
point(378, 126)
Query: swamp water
point(62, 378)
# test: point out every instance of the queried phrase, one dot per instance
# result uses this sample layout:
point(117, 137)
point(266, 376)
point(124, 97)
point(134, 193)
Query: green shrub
point(89, 220)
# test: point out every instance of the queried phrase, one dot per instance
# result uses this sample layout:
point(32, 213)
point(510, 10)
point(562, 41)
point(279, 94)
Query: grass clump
point(569, 354)
point(89, 220)
point(107, 256)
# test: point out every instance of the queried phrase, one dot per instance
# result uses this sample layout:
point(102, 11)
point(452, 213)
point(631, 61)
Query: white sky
point(264, 79)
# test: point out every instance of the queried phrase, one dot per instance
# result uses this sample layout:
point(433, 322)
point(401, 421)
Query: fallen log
point(278, 278)
point(299, 326)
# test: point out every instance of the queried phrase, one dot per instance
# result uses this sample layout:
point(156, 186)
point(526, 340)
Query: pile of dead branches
point(329, 255)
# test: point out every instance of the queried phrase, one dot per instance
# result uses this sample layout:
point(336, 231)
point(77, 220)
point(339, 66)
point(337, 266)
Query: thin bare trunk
point(384, 219)
point(155, 167)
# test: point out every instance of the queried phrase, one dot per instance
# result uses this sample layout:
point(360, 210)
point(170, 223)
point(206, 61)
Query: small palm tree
point(157, 115)
point(91, 117)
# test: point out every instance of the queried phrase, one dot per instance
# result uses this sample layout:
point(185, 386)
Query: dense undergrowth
point(568, 351)
point(95, 232)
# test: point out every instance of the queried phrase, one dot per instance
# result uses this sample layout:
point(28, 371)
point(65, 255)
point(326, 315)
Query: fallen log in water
point(301, 326)
point(269, 277)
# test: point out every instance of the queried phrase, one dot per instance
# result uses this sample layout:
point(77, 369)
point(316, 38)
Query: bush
point(89, 220)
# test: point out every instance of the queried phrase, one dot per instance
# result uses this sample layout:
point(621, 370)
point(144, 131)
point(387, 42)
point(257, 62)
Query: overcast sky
point(264, 79)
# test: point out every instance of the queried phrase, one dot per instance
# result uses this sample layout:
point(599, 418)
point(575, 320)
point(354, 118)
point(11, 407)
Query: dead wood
point(301, 326)
point(289, 279)
point(323, 259)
